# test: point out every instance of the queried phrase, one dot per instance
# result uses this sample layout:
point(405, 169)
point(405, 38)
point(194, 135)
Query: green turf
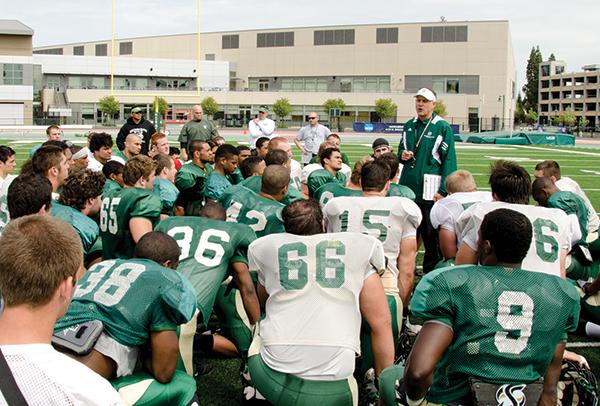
point(222, 385)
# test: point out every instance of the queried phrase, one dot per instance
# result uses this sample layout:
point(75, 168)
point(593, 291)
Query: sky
point(569, 30)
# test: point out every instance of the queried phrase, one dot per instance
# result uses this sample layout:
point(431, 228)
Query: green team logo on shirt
point(110, 290)
point(546, 246)
point(209, 251)
point(375, 221)
point(108, 215)
point(293, 268)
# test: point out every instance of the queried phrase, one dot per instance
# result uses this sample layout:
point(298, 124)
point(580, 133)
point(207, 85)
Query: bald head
point(542, 189)
point(197, 112)
point(275, 181)
point(133, 143)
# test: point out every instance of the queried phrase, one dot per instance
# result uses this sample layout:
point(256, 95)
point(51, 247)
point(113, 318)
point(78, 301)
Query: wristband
point(411, 402)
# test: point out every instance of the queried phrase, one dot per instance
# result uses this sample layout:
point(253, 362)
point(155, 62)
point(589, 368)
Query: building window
point(275, 39)
point(52, 51)
point(452, 86)
point(78, 50)
point(101, 49)
point(334, 37)
point(231, 41)
point(463, 84)
point(387, 36)
point(12, 73)
point(126, 48)
point(545, 70)
point(458, 33)
point(209, 57)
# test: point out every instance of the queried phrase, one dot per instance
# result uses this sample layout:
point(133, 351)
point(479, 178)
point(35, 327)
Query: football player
point(295, 168)
point(490, 330)
point(191, 177)
point(217, 182)
point(331, 162)
point(315, 287)
point(126, 215)
point(511, 188)
point(164, 186)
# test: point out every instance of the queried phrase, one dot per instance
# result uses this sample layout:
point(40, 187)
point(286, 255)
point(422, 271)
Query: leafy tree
point(160, 105)
point(440, 108)
point(530, 102)
point(109, 105)
point(519, 110)
point(556, 120)
point(385, 108)
point(551, 58)
point(569, 118)
point(582, 123)
point(334, 104)
point(531, 117)
point(282, 108)
point(209, 106)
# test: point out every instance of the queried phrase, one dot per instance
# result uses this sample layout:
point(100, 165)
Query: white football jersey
point(389, 219)
point(552, 231)
point(569, 185)
point(314, 284)
point(4, 215)
point(446, 211)
point(296, 174)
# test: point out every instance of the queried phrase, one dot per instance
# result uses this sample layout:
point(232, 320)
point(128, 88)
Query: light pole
point(502, 98)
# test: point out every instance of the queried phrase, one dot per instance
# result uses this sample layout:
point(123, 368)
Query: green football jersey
point(506, 323)
point(320, 177)
point(401, 191)
point(246, 207)
point(236, 177)
point(87, 228)
point(167, 192)
point(207, 248)
point(333, 189)
point(116, 211)
point(132, 298)
point(573, 205)
point(216, 184)
point(110, 186)
point(254, 183)
point(190, 180)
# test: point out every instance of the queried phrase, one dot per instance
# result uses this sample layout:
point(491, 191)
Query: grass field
point(222, 386)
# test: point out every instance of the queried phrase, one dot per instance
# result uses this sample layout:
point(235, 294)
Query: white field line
point(583, 344)
point(561, 150)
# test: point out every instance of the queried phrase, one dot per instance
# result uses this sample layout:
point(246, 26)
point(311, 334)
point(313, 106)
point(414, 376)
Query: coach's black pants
point(430, 238)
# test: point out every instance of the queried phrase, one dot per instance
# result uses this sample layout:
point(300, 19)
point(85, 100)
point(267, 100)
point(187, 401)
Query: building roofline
point(274, 29)
point(14, 27)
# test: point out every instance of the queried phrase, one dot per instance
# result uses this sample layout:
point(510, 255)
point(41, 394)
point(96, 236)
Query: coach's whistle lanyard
point(422, 134)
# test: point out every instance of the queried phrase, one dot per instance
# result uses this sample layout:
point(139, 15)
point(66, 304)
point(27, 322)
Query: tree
point(334, 104)
point(551, 58)
point(582, 124)
point(569, 118)
point(160, 105)
point(109, 106)
point(209, 106)
point(530, 90)
point(385, 108)
point(556, 120)
point(519, 111)
point(531, 117)
point(440, 108)
point(282, 108)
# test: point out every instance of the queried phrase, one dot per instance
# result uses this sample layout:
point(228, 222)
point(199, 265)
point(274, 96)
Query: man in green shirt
point(198, 128)
point(164, 186)
point(127, 215)
point(113, 172)
point(331, 161)
point(133, 147)
point(217, 182)
point(191, 177)
point(427, 152)
point(79, 202)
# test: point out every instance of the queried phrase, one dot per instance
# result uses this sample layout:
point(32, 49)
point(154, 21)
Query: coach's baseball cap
point(136, 110)
point(426, 93)
point(379, 142)
point(263, 109)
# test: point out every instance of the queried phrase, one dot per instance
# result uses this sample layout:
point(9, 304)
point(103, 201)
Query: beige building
point(469, 64)
point(16, 82)
point(560, 90)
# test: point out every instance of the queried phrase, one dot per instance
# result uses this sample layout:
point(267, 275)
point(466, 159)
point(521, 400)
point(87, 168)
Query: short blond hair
point(37, 254)
point(140, 166)
point(460, 181)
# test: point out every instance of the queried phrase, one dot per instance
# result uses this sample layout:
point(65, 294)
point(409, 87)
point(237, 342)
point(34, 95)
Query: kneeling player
point(494, 323)
point(141, 302)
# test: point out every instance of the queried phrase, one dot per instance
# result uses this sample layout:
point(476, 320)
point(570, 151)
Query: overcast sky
point(570, 30)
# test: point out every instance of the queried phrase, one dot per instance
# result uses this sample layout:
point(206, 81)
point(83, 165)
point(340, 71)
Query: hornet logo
point(511, 395)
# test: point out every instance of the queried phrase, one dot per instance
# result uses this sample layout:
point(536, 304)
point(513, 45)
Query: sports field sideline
point(222, 385)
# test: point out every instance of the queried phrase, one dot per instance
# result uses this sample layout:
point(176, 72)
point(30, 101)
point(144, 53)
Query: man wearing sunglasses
point(313, 135)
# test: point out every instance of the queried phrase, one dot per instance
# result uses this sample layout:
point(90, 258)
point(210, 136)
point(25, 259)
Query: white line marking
point(583, 344)
point(588, 171)
point(562, 150)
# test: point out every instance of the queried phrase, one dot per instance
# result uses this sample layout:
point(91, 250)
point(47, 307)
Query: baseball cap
point(379, 142)
point(136, 110)
point(263, 109)
point(426, 93)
